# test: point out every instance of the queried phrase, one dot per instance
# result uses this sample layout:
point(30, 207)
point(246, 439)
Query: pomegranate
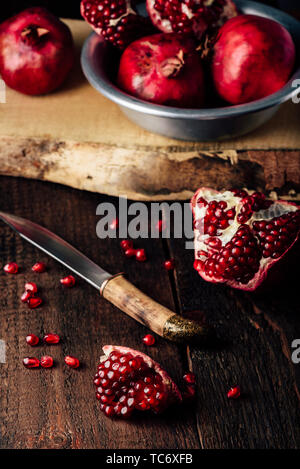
point(149, 340)
point(140, 255)
point(117, 21)
point(129, 380)
point(72, 362)
point(253, 58)
point(190, 16)
point(32, 340)
point(239, 235)
point(25, 297)
point(126, 244)
point(46, 361)
point(34, 302)
point(39, 267)
point(36, 52)
point(31, 287)
point(234, 393)
point(11, 268)
point(68, 281)
point(51, 339)
point(169, 264)
point(31, 362)
point(163, 69)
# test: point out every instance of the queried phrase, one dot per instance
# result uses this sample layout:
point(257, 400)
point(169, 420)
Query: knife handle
point(151, 314)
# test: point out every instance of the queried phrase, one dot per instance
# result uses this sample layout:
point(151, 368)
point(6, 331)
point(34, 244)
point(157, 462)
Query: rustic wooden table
point(56, 408)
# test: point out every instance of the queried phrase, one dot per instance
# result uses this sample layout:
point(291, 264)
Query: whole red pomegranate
point(253, 58)
point(239, 235)
point(36, 52)
point(129, 380)
point(190, 16)
point(117, 21)
point(163, 69)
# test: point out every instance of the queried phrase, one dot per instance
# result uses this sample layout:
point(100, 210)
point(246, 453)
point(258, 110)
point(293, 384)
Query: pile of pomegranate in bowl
point(193, 70)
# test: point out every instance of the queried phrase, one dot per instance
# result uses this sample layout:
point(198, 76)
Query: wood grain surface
point(56, 408)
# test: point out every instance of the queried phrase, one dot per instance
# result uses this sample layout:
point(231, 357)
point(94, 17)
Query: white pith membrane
point(277, 209)
point(170, 388)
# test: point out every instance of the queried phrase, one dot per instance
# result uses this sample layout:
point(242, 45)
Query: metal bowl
point(99, 64)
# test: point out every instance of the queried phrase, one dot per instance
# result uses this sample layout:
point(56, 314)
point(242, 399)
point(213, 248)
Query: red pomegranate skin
point(253, 58)
point(36, 52)
point(163, 69)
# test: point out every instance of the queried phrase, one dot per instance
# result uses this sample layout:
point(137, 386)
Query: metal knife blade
point(59, 249)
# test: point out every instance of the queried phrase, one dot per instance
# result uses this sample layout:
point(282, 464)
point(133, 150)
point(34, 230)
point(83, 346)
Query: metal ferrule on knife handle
point(151, 314)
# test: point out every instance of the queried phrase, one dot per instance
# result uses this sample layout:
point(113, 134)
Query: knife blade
point(114, 288)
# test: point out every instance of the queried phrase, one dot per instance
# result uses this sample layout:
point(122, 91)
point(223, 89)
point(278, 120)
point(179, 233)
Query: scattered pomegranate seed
point(68, 281)
point(51, 339)
point(140, 255)
point(234, 393)
point(34, 302)
point(126, 244)
point(169, 264)
point(39, 267)
point(31, 287)
point(130, 252)
point(189, 378)
point(149, 340)
point(161, 226)
point(114, 224)
point(31, 362)
point(25, 297)
point(32, 340)
point(72, 362)
point(11, 268)
point(46, 361)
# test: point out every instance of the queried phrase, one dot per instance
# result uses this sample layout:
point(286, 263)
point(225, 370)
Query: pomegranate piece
point(11, 268)
point(169, 264)
point(31, 287)
point(36, 52)
point(234, 393)
point(140, 255)
point(68, 281)
point(72, 362)
point(130, 252)
point(190, 17)
point(149, 340)
point(31, 362)
point(25, 297)
point(39, 267)
point(126, 244)
point(46, 361)
point(253, 58)
point(34, 302)
point(128, 380)
point(32, 340)
point(239, 235)
point(116, 21)
point(163, 69)
point(51, 339)
point(189, 378)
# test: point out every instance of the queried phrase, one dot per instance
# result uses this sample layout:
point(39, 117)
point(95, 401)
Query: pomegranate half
point(239, 235)
point(191, 17)
point(163, 69)
point(129, 380)
point(253, 58)
point(36, 52)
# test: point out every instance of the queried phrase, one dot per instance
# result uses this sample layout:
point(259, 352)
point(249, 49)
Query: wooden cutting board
point(77, 137)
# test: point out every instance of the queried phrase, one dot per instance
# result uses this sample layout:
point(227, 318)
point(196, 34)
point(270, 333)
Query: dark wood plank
point(57, 408)
point(255, 333)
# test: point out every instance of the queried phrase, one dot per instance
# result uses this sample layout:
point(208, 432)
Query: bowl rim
point(106, 87)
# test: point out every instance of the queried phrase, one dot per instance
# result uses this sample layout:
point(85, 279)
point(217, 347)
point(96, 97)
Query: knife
point(114, 288)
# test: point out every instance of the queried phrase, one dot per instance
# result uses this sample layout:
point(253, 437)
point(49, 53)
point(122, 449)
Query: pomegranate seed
point(141, 255)
point(114, 224)
point(169, 264)
point(68, 281)
point(161, 226)
point(72, 362)
point(149, 340)
point(234, 393)
point(25, 297)
point(126, 244)
point(34, 302)
point(32, 340)
point(39, 267)
point(46, 361)
point(130, 252)
point(189, 378)
point(31, 287)
point(11, 268)
point(31, 362)
point(51, 339)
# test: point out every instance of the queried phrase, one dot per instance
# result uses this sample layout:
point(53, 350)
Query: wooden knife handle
point(148, 312)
